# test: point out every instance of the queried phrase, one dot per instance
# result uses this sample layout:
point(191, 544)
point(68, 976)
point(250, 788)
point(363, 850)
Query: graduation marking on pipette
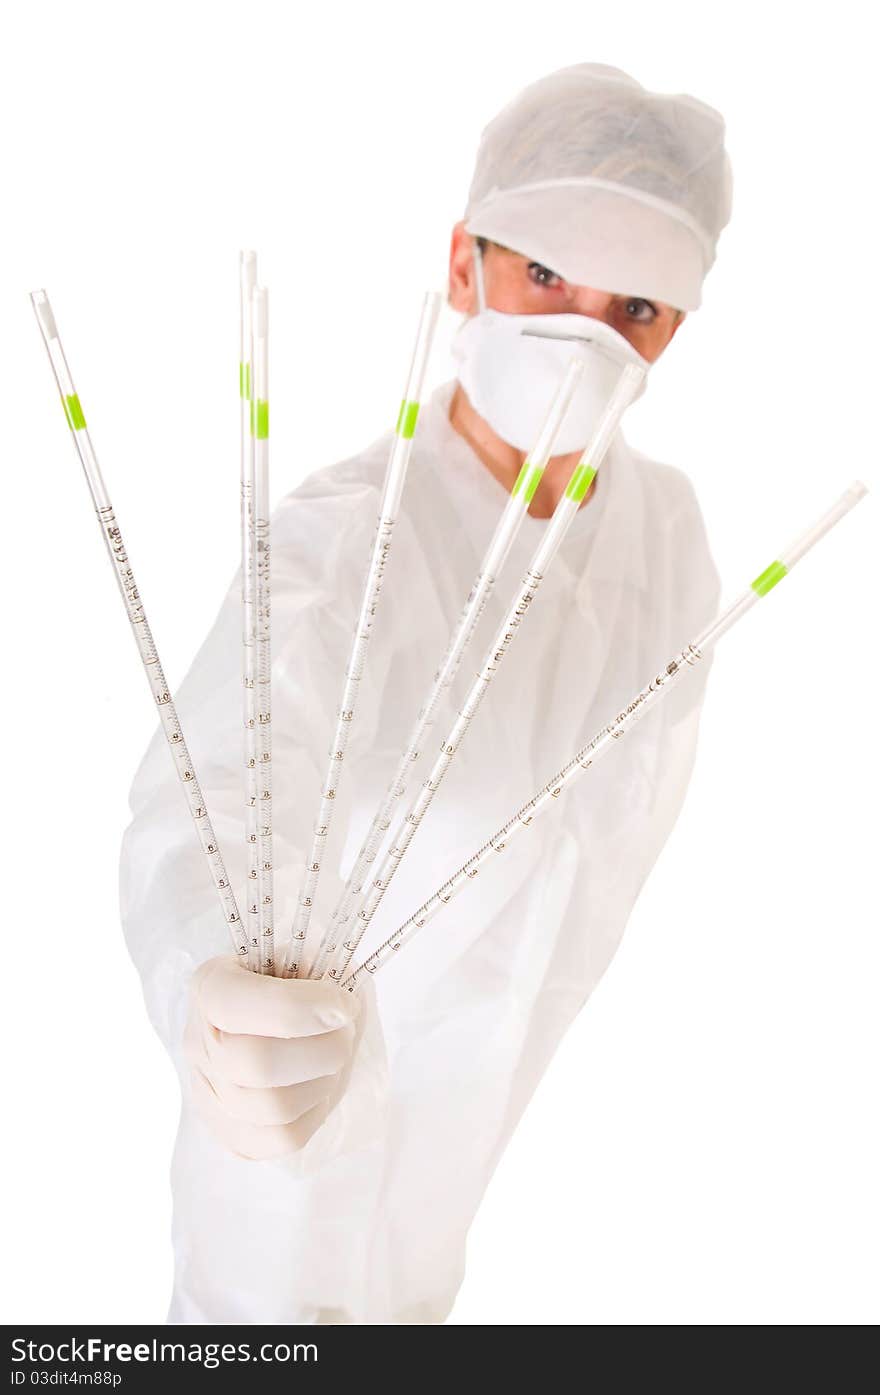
point(628, 385)
point(138, 620)
point(247, 283)
point(392, 489)
point(509, 526)
point(603, 741)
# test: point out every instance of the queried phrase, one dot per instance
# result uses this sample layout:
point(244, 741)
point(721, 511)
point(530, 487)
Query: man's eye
point(543, 276)
point(641, 310)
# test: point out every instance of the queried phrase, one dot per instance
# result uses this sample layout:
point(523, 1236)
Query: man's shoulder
point(682, 554)
point(350, 476)
point(347, 493)
point(667, 485)
point(333, 498)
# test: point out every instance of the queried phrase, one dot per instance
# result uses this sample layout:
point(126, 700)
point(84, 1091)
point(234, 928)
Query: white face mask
point(510, 366)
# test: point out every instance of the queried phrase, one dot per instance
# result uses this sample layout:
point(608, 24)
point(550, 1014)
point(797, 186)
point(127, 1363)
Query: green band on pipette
point(244, 380)
point(74, 412)
point(406, 420)
point(769, 578)
point(580, 482)
point(262, 431)
point(527, 481)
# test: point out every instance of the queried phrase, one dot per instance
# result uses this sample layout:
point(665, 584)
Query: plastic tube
point(263, 628)
point(588, 755)
point(247, 282)
point(138, 620)
point(509, 525)
point(395, 476)
point(563, 515)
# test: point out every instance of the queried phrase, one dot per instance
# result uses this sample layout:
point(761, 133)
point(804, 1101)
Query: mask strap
point(477, 252)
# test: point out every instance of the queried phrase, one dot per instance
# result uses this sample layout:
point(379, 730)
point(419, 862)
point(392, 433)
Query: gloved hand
point(269, 1057)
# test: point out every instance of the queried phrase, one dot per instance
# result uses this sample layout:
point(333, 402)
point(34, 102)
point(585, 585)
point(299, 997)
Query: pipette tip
point(247, 270)
point(40, 302)
point(635, 375)
point(260, 311)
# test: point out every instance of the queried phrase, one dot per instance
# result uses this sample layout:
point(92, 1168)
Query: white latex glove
point(269, 1057)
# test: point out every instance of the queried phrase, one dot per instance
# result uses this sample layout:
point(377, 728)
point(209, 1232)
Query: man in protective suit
point(333, 1148)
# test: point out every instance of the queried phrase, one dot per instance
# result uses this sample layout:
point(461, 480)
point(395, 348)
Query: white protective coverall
point(368, 1223)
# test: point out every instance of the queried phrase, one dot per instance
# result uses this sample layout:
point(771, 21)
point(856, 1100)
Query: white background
point(704, 1148)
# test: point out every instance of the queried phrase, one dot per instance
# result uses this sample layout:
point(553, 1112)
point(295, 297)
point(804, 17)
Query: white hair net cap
point(606, 184)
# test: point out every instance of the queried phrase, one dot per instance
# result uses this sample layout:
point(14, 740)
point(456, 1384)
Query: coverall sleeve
point(671, 731)
point(619, 817)
point(664, 744)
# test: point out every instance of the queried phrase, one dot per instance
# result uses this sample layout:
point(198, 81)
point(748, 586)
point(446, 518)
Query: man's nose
point(583, 300)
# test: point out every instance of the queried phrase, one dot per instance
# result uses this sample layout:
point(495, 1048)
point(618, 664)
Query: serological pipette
point(643, 702)
point(505, 534)
point(247, 283)
point(263, 626)
point(627, 388)
point(392, 489)
point(138, 620)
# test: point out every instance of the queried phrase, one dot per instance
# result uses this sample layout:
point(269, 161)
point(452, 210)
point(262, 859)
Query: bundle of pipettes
point(253, 936)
